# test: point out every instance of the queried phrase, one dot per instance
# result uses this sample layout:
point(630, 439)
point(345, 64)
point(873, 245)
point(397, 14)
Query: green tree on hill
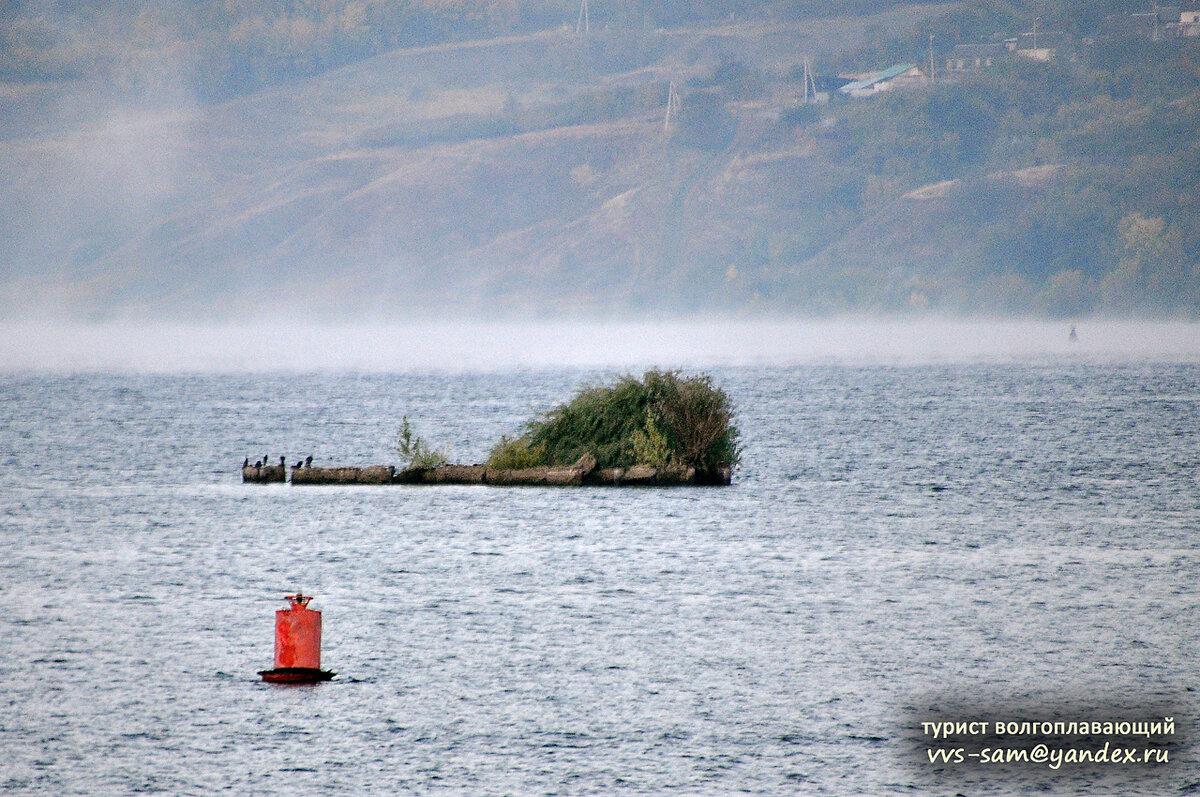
point(1151, 271)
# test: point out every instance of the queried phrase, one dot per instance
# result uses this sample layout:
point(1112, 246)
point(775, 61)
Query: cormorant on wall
point(308, 462)
point(265, 459)
point(246, 462)
point(282, 462)
point(298, 463)
point(258, 464)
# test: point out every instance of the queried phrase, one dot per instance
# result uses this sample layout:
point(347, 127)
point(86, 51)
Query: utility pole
point(583, 25)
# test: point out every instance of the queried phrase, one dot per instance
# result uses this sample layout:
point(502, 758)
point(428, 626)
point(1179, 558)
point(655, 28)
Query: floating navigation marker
point(297, 644)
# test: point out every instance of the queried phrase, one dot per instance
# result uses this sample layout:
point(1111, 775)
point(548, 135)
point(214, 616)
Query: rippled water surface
point(898, 539)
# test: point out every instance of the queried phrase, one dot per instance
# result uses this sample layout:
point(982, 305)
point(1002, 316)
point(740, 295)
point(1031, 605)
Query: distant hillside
point(532, 172)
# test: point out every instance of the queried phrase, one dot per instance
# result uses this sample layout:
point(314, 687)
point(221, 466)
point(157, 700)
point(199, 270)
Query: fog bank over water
point(168, 348)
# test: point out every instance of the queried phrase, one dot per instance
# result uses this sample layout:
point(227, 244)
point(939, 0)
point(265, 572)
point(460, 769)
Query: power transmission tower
point(809, 80)
point(673, 106)
point(584, 24)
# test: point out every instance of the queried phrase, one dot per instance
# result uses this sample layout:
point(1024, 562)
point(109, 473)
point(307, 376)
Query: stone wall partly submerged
point(583, 473)
point(264, 474)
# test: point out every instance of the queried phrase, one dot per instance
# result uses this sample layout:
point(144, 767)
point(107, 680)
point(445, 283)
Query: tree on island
point(665, 419)
point(414, 451)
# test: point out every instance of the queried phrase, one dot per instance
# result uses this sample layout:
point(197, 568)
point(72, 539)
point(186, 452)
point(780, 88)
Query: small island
point(663, 429)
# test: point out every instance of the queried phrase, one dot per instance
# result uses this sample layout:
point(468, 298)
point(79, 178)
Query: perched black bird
point(265, 459)
point(298, 463)
point(282, 462)
point(258, 464)
point(308, 462)
point(246, 462)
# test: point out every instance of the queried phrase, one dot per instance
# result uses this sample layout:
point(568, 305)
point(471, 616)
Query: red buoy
point(297, 644)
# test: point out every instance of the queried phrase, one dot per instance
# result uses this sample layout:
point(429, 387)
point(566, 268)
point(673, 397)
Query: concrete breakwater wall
point(446, 474)
point(262, 474)
point(578, 475)
point(374, 474)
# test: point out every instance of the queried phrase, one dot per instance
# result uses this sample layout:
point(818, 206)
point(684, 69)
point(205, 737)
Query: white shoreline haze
point(177, 347)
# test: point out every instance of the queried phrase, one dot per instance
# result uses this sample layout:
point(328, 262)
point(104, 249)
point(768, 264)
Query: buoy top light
point(299, 599)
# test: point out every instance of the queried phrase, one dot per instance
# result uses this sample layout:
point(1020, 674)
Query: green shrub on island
point(414, 451)
point(515, 454)
point(664, 419)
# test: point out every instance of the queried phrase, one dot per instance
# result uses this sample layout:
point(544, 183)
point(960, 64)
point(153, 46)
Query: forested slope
point(392, 159)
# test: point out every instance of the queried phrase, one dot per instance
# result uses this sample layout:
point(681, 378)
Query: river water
point(901, 544)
